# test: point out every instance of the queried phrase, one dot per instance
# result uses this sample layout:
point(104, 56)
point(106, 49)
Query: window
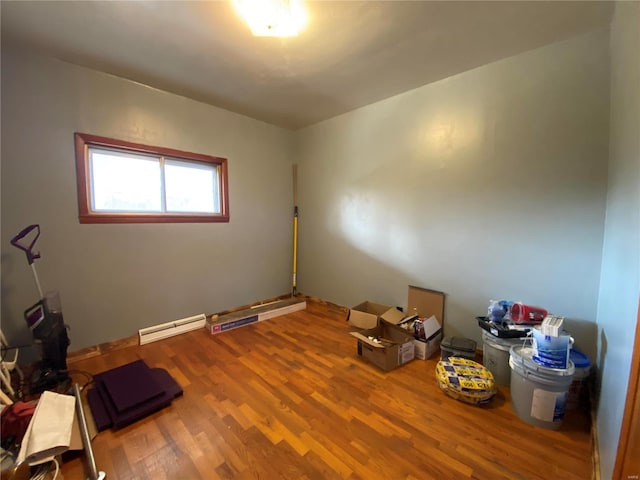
point(124, 182)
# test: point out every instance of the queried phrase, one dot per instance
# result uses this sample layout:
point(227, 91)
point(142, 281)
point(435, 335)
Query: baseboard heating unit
point(169, 329)
point(222, 323)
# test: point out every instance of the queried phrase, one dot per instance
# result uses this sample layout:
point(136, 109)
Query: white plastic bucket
point(538, 394)
point(495, 356)
point(578, 389)
point(552, 352)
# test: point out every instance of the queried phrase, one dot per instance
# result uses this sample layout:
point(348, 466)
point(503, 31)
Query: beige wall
point(115, 279)
point(488, 185)
point(620, 281)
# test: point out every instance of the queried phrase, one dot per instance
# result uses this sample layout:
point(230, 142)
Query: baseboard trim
point(330, 305)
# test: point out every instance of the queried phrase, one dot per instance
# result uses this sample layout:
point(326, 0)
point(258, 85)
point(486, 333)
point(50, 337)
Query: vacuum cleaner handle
point(27, 249)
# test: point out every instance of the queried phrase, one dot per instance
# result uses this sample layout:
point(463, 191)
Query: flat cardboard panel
point(426, 302)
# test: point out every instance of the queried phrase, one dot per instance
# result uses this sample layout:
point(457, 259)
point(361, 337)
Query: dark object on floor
point(15, 420)
point(129, 393)
point(458, 347)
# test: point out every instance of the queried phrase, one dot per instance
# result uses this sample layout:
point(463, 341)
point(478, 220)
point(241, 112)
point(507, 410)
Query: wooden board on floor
point(222, 323)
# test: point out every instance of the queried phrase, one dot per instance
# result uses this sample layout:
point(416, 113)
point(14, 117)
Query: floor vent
point(170, 329)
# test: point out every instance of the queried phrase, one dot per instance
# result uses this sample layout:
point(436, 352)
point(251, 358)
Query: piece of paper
point(543, 405)
point(49, 432)
point(552, 325)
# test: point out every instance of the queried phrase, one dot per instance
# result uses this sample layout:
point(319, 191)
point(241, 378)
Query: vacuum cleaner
point(45, 321)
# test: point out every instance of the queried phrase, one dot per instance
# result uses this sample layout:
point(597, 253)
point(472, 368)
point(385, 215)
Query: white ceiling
point(352, 53)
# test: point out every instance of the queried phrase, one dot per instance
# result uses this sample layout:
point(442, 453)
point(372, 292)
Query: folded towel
point(49, 432)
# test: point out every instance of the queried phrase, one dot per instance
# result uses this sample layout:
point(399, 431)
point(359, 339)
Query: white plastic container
point(552, 352)
point(578, 390)
point(495, 356)
point(538, 394)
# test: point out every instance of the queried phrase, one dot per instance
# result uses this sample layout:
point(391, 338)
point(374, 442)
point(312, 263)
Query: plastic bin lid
point(522, 356)
point(458, 343)
point(579, 359)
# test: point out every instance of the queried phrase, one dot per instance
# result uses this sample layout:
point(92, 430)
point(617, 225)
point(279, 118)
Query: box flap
point(362, 320)
point(366, 340)
point(392, 316)
point(431, 327)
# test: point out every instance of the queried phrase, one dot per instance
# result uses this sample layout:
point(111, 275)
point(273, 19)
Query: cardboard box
point(366, 314)
point(221, 323)
point(433, 333)
point(395, 346)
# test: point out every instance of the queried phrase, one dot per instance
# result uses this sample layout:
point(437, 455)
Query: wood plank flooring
point(288, 398)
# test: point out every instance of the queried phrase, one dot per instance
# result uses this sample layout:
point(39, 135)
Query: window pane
point(125, 182)
point(191, 187)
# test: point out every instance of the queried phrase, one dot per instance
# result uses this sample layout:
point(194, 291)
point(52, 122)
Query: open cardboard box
point(433, 336)
point(367, 314)
point(395, 346)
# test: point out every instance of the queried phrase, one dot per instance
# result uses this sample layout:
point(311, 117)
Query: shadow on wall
point(597, 382)
point(585, 335)
point(364, 277)
point(386, 231)
point(416, 200)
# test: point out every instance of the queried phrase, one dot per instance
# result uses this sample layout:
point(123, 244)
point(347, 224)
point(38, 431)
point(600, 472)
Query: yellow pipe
point(295, 228)
point(295, 249)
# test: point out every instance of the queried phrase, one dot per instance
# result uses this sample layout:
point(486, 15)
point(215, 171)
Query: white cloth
point(49, 432)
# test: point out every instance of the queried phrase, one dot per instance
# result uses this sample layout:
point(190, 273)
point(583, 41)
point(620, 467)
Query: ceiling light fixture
point(273, 18)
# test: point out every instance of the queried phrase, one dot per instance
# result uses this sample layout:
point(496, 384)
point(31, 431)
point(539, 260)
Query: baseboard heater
point(169, 329)
point(221, 323)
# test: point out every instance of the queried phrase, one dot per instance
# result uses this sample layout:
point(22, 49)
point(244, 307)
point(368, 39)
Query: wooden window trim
point(627, 464)
point(82, 143)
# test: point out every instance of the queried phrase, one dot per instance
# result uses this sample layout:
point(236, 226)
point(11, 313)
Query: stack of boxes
point(386, 337)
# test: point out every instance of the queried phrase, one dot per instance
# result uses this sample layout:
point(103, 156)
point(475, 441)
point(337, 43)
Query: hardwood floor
point(289, 398)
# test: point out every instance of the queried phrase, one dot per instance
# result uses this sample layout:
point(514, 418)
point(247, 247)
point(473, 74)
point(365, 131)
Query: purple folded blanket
point(129, 393)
